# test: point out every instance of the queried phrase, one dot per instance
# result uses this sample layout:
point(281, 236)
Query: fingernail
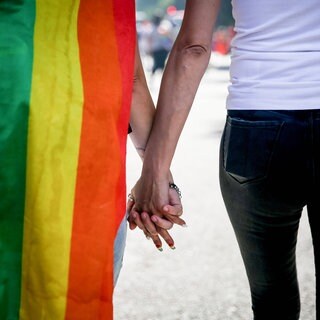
point(159, 247)
point(154, 219)
point(148, 238)
point(184, 225)
point(166, 209)
point(144, 216)
point(134, 215)
point(172, 246)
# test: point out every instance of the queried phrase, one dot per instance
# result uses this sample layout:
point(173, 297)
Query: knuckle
point(153, 233)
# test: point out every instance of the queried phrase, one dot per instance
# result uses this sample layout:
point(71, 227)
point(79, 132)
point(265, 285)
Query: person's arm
point(186, 65)
point(142, 108)
point(141, 119)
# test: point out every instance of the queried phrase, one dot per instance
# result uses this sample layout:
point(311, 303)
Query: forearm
point(181, 79)
point(186, 65)
point(142, 109)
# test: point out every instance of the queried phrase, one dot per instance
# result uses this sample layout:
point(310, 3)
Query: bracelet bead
point(175, 187)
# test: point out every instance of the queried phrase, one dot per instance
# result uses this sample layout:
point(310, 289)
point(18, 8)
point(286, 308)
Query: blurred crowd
point(222, 39)
point(157, 34)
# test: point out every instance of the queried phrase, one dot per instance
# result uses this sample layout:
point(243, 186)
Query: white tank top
point(275, 57)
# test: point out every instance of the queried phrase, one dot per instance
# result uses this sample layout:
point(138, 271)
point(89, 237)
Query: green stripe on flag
point(16, 56)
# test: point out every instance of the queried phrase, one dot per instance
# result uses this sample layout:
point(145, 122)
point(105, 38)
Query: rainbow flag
point(66, 71)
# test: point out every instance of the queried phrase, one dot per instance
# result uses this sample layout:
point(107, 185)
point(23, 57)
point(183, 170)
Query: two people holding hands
point(270, 147)
point(156, 206)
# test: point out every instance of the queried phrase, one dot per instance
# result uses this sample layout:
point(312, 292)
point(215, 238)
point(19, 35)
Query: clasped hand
point(154, 208)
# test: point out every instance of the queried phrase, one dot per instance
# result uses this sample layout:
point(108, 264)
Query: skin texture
point(186, 65)
point(141, 120)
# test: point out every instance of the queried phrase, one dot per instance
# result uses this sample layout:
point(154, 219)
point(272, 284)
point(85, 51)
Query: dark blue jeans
point(270, 170)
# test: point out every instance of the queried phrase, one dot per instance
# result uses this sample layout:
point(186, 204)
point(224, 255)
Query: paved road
point(203, 279)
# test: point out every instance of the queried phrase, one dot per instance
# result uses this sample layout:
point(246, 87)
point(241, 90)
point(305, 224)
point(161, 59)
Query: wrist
point(141, 152)
point(156, 160)
point(157, 170)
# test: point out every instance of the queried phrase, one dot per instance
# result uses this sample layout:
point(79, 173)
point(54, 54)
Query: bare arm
point(142, 109)
point(186, 66)
point(141, 120)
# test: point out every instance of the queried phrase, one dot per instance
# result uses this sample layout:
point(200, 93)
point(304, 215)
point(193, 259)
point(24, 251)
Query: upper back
point(277, 25)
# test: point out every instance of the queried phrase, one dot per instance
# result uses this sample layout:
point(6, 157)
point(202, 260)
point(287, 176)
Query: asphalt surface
point(204, 278)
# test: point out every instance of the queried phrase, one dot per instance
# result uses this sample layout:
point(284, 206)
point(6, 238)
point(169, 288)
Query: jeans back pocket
point(248, 146)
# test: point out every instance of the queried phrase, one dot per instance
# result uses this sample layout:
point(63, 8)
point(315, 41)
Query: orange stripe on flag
point(91, 266)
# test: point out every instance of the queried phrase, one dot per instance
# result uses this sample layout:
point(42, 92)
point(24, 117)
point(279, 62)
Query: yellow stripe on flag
point(53, 148)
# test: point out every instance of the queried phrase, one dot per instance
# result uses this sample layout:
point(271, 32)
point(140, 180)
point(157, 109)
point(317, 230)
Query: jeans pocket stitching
point(248, 124)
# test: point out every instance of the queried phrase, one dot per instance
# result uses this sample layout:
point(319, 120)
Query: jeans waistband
point(276, 114)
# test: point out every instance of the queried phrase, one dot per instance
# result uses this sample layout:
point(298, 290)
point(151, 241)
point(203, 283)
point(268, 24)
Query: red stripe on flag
point(124, 11)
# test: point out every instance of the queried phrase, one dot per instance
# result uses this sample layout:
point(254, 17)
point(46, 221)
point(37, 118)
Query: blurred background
point(204, 278)
point(158, 23)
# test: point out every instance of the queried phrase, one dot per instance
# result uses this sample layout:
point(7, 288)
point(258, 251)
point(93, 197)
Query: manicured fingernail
point(172, 246)
point(144, 216)
point(159, 247)
point(154, 219)
point(148, 238)
point(184, 225)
